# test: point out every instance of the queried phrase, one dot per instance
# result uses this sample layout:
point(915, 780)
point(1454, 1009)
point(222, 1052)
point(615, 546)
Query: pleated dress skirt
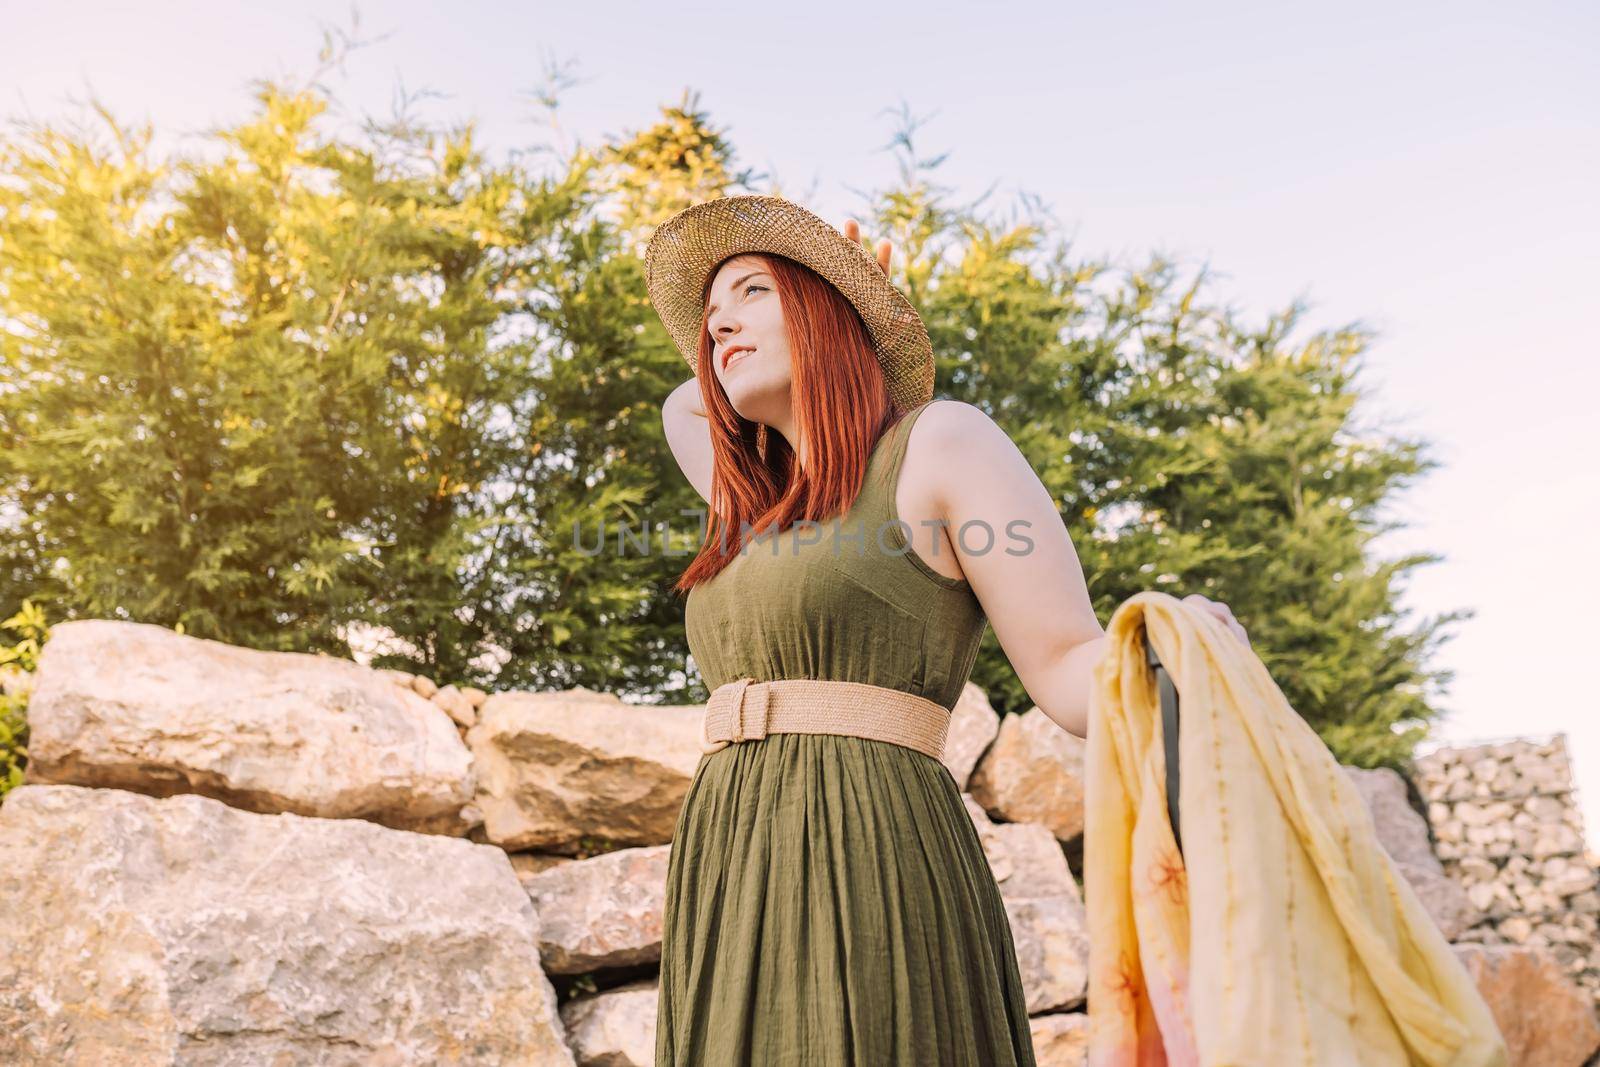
point(828, 902)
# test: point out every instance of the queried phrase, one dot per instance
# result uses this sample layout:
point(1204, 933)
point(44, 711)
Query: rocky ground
point(224, 856)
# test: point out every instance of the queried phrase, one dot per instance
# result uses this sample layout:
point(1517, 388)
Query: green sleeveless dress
point(828, 902)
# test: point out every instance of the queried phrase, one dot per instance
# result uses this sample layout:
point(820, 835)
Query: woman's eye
point(753, 285)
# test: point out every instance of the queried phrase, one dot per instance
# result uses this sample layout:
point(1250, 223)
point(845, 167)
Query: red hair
point(842, 406)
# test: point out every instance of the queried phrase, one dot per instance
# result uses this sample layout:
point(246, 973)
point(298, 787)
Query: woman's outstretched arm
point(1015, 551)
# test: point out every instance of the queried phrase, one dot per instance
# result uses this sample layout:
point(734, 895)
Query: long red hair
point(842, 406)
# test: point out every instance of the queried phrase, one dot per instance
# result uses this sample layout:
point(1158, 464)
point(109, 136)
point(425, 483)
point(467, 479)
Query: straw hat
point(686, 248)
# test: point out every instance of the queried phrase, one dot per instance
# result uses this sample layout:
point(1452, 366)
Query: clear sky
point(1430, 170)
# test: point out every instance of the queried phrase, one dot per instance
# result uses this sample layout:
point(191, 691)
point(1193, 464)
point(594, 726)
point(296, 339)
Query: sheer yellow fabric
point(1282, 934)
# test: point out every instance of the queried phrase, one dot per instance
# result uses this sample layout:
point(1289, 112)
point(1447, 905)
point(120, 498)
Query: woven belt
point(748, 710)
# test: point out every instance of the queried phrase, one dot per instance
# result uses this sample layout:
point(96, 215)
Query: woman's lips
point(732, 356)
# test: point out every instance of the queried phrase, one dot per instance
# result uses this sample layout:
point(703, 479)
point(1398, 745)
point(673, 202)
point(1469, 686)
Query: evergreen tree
point(679, 160)
point(1188, 453)
point(246, 395)
point(600, 521)
point(316, 386)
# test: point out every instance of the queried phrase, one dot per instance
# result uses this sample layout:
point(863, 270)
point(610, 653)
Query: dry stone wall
point(1509, 829)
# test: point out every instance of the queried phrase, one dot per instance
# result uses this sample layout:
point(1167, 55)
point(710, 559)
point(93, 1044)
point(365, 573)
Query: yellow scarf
point(1283, 933)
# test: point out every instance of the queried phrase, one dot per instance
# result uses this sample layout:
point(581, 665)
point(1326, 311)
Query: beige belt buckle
point(747, 719)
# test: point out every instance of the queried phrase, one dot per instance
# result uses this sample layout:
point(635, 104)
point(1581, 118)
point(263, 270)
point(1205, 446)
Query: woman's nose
point(722, 324)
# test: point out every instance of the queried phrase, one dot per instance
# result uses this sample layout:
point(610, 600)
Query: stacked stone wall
point(1508, 827)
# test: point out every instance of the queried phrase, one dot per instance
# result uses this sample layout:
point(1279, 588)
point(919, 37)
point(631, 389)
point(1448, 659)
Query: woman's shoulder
point(954, 442)
point(950, 441)
point(945, 423)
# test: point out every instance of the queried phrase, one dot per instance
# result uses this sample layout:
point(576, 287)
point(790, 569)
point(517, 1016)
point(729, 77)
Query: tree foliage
point(1188, 452)
point(246, 394)
point(315, 390)
point(18, 660)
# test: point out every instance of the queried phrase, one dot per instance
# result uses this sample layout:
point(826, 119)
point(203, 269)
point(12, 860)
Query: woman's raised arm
point(689, 435)
point(683, 418)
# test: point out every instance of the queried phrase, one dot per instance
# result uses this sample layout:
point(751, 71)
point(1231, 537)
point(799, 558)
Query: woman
point(828, 900)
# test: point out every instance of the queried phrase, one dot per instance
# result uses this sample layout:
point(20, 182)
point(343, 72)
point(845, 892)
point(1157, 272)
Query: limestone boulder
point(528, 864)
point(601, 912)
point(556, 768)
point(973, 725)
point(181, 930)
point(1044, 907)
point(613, 1028)
point(457, 705)
point(1060, 1039)
point(1033, 772)
point(139, 707)
point(1404, 836)
point(1546, 1019)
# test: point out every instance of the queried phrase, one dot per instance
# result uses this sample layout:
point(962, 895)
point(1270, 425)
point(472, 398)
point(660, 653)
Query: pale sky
point(1430, 170)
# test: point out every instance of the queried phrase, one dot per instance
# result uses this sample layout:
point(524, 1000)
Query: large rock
point(135, 706)
point(601, 912)
point(973, 725)
point(1404, 836)
point(529, 864)
point(615, 1028)
point(142, 931)
point(1044, 907)
point(555, 768)
point(1033, 773)
point(1060, 1040)
point(1546, 1019)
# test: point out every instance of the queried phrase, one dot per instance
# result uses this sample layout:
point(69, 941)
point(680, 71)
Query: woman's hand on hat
point(852, 230)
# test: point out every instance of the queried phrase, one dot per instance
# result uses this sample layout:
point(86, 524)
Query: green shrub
point(28, 625)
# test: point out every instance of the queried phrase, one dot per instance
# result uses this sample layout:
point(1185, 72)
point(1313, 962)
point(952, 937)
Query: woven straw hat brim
point(687, 247)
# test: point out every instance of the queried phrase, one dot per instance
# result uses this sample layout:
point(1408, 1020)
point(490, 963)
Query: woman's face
point(751, 353)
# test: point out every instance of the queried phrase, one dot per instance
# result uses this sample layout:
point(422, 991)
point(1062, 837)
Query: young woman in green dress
point(828, 901)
